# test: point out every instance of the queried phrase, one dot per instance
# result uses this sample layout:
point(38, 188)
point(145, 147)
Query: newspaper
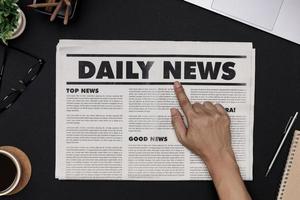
point(113, 101)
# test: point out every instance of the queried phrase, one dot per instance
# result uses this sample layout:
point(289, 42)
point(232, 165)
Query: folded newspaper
point(113, 101)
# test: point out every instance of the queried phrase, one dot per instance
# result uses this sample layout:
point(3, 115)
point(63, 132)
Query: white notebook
point(279, 17)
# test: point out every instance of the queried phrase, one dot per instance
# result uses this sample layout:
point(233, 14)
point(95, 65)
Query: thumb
point(178, 125)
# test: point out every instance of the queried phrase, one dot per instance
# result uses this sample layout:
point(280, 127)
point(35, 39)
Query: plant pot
point(21, 25)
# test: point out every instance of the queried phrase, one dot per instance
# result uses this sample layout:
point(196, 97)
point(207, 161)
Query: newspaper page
point(113, 101)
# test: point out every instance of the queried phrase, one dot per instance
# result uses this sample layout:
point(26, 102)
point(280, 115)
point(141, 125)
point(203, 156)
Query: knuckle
point(220, 107)
point(193, 118)
point(210, 119)
point(197, 104)
point(179, 89)
point(216, 116)
point(184, 102)
point(217, 104)
point(226, 119)
point(207, 103)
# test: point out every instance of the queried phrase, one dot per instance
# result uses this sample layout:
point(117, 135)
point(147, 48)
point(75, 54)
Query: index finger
point(183, 100)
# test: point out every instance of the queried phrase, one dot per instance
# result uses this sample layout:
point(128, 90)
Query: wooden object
point(67, 2)
point(290, 184)
point(50, 4)
point(42, 5)
point(25, 167)
point(57, 9)
point(49, 9)
point(67, 12)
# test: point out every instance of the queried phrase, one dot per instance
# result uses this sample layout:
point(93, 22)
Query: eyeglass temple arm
point(2, 66)
point(22, 51)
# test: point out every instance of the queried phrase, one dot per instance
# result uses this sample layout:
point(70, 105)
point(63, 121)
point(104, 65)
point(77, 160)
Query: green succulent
point(9, 17)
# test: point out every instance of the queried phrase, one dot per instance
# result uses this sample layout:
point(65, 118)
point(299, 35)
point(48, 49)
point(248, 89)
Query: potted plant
point(12, 20)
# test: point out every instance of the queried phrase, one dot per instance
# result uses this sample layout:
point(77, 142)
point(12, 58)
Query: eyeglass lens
point(8, 100)
point(32, 73)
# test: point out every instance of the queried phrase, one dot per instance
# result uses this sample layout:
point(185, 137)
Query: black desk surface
point(30, 123)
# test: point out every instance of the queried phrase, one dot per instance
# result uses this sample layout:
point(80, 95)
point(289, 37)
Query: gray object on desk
point(3, 65)
point(287, 131)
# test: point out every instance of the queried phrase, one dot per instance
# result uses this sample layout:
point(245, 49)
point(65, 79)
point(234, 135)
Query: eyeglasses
point(29, 77)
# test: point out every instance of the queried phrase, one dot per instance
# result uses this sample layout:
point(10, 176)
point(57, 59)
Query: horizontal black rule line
point(156, 55)
point(153, 83)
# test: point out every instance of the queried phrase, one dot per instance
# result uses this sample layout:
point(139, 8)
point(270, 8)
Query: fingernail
point(173, 111)
point(177, 84)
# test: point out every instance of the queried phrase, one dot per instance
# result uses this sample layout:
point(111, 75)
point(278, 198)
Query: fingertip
point(182, 98)
point(173, 111)
point(177, 84)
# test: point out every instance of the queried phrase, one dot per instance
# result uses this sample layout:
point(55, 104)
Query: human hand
point(207, 133)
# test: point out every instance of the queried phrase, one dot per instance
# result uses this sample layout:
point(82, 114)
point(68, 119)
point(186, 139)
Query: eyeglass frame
point(40, 62)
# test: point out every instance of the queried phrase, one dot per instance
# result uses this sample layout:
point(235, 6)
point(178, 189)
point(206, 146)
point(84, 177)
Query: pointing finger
point(183, 100)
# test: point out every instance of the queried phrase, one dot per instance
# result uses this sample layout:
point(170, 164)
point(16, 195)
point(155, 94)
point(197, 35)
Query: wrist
point(224, 162)
point(226, 176)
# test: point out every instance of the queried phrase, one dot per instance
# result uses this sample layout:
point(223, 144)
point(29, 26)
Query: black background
point(30, 123)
